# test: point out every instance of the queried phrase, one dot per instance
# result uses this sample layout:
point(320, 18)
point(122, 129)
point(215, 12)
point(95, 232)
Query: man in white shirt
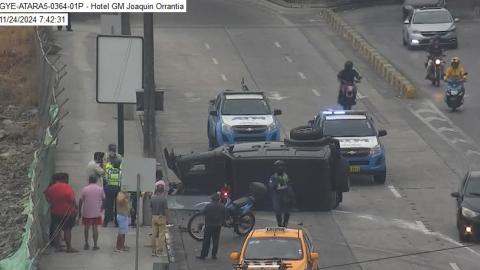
point(94, 167)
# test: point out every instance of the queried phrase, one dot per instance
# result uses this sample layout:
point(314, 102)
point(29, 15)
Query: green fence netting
point(40, 171)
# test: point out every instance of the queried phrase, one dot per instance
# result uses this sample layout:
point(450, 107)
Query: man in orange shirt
point(63, 210)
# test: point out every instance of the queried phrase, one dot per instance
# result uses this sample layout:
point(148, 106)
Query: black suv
point(410, 5)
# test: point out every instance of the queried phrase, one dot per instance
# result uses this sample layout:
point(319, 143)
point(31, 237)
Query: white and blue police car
point(359, 140)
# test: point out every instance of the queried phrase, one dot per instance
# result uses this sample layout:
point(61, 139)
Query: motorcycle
point(454, 95)
point(349, 92)
point(239, 216)
point(438, 67)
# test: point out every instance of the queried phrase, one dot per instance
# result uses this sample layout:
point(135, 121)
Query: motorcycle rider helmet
point(112, 147)
point(279, 164)
point(455, 62)
point(348, 65)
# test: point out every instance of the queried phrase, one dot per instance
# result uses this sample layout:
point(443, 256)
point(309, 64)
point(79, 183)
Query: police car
point(236, 117)
point(359, 141)
point(274, 247)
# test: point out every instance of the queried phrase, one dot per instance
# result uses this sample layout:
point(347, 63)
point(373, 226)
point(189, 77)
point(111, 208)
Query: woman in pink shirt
point(92, 202)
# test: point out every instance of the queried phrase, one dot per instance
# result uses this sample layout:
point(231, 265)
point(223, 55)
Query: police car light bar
point(350, 112)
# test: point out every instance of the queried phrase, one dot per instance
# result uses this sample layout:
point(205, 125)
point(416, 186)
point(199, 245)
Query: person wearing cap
point(215, 214)
point(111, 189)
point(282, 192)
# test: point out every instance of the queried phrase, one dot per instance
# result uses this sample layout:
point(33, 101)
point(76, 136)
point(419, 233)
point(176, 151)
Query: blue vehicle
point(243, 116)
point(454, 93)
point(359, 141)
point(239, 215)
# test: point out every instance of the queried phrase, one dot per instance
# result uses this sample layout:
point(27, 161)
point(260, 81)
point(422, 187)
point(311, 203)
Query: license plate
point(454, 92)
point(354, 168)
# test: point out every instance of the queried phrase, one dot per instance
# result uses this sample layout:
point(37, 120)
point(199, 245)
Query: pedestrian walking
point(69, 26)
point(123, 214)
point(159, 207)
point(52, 224)
point(91, 202)
point(111, 189)
point(63, 210)
point(215, 214)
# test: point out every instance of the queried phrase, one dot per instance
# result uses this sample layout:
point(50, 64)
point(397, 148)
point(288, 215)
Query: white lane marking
point(277, 44)
point(454, 266)
point(394, 191)
point(215, 61)
point(316, 92)
point(302, 75)
point(422, 226)
point(207, 46)
point(409, 226)
point(276, 96)
point(360, 95)
point(191, 97)
point(288, 59)
point(223, 77)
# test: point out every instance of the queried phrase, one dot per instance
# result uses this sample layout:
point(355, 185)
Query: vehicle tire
point(380, 178)
point(303, 133)
point(236, 227)
point(306, 143)
point(405, 43)
point(190, 229)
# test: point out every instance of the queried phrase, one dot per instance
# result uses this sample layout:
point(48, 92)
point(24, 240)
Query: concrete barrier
point(404, 87)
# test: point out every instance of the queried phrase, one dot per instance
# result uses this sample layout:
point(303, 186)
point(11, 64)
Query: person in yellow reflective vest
point(111, 188)
point(109, 165)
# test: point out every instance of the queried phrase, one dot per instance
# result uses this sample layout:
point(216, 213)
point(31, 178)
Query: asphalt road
point(294, 55)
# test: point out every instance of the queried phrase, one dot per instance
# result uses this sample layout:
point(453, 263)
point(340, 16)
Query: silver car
point(425, 23)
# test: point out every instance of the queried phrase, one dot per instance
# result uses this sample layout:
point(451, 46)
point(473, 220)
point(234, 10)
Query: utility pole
point(125, 17)
point(149, 140)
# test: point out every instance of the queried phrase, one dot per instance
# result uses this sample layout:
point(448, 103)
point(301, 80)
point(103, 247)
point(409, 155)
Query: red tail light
point(224, 193)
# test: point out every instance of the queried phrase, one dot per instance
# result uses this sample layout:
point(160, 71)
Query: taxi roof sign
point(275, 229)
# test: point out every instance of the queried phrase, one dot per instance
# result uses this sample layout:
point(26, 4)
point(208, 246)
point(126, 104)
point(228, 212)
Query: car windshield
point(473, 188)
point(270, 248)
point(348, 128)
point(432, 17)
point(245, 107)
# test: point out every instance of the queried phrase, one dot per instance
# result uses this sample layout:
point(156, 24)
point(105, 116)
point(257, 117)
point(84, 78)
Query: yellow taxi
point(271, 246)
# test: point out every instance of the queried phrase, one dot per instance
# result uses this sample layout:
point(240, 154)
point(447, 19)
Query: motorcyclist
point(455, 71)
point(348, 74)
point(282, 192)
point(434, 49)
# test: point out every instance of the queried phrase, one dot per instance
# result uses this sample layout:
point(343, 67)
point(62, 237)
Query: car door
point(311, 265)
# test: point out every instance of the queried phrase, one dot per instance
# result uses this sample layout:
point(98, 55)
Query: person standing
point(94, 167)
point(123, 214)
point(69, 26)
point(52, 224)
point(63, 210)
point(282, 192)
point(111, 189)
point(159, 207)
point(215, 214)
point(92, 199)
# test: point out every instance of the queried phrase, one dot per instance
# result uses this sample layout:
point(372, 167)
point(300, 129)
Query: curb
point(404, 87)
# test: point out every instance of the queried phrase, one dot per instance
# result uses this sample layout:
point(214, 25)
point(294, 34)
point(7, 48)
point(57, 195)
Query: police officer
point(282, 192)
point(111, 188)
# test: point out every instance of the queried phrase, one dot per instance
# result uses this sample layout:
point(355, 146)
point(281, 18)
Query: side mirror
point(406, 22)
point(455, 194)
point(382, 133)
point(211, 101)
point(456, 19)
point(314, 256)
point(277, 112)
point(235, 256)
point(311, 122)
point(213, 113)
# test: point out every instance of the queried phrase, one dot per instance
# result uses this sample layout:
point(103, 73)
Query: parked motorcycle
point(349, 92)
point(239, 216)
point(454, 95)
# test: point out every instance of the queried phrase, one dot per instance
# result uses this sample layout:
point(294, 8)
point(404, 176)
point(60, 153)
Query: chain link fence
point(50, 72)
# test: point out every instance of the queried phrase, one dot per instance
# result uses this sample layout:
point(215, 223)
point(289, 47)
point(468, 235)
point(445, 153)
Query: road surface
point(294, 56)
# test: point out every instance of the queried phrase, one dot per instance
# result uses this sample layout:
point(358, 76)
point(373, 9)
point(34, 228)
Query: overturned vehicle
point(318, 173)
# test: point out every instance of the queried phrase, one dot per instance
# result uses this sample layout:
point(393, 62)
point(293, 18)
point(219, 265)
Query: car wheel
point(380, 178)
point(302, 133)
